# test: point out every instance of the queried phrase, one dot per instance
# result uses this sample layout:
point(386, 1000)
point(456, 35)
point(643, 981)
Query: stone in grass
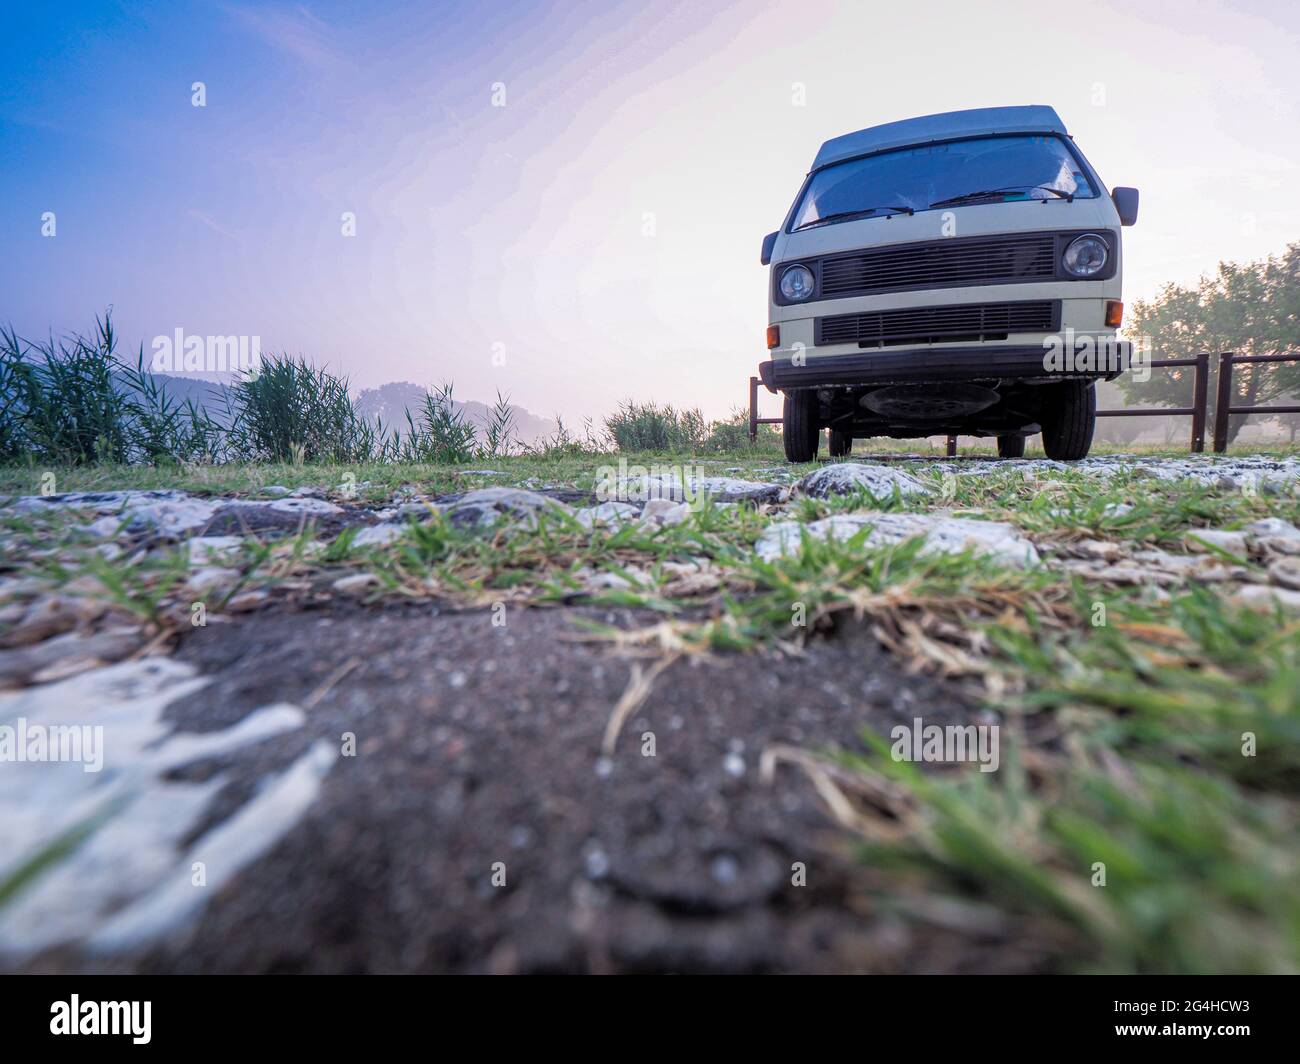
point(355, 583)
point(1285, 572)
point(1263, 597)
point(665, 512)
point(677, 486)
point(209, 550)
point(844, 478)
point(379, 535)
point(612, 514)
point(943, 535)
point(1273, 535)
point(487, 506)
point(1200, 540)
point(103, 502)
point(305, 504)
point(212, 578)
point(170, 518)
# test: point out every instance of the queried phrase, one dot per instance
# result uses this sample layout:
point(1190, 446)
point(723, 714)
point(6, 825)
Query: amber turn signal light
point(1114, 313)
point(773, 336)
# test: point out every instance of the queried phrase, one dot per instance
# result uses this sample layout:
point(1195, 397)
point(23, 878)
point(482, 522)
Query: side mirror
point(1126, 202)
point(769, 242)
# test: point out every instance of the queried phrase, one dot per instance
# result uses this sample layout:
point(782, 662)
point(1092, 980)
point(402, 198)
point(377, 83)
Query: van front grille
point(947, 324)
point(943, 263)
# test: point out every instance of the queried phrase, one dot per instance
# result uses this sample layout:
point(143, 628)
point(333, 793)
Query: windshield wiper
point(1006, 190)
point(843, 216)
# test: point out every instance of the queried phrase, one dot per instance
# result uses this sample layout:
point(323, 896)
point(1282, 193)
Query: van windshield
point(934, 176)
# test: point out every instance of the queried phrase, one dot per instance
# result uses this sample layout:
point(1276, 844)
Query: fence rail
point(1200, 396)
point(754, 419)
point(1223, 408)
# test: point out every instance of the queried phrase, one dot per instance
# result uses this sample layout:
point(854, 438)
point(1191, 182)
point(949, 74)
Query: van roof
point(1034, 118)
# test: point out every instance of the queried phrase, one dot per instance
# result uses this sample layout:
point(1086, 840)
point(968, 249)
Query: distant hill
point(391, 401)
point(388, 402)
point(206, 394)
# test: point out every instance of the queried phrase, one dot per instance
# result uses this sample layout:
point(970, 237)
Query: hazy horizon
point(595, 238)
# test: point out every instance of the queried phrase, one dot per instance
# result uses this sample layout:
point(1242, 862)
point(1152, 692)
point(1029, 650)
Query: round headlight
point(1085, 256)
point(797, 284)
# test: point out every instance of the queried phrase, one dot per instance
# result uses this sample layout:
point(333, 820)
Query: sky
point(565, 202)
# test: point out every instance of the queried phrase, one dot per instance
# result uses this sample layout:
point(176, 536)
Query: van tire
point(1011, 446)
point(841, 443)
point(1069, 421)
point(799, 429)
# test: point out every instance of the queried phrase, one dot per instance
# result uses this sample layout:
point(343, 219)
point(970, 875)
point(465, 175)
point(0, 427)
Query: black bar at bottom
point(339, 1013)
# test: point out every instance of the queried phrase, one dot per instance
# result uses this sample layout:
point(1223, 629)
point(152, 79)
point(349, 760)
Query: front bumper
point(976, 363)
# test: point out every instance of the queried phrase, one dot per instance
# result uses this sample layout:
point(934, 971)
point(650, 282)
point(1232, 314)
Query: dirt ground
point(478, 745)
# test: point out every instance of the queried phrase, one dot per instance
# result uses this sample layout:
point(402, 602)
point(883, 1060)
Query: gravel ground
point(411, 787)
point(477, 745)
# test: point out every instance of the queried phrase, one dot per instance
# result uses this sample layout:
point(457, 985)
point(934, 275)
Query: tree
point(1290, 422)
point(1249, 309)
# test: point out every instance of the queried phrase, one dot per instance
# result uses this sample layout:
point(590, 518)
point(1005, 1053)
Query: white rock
point(138, 849)
point(171, 519)
point(1286, 573)
point(174, 904)
point(103, 502)
point(171, 513)
point(1207, 568)
point(302, 505)
point(604, 579)
point(355, 583)
point(1100, 549)
point(1232, 542)
point(378, 535)
point(1263, 597)
point(1272, 526)
point(207, 550)
point(613, 514)
point(843, 478)
point(943, 535)
point(212, 578)
point(1274, 536)
point(664, 512)
point(487, 506)
point(677, 485)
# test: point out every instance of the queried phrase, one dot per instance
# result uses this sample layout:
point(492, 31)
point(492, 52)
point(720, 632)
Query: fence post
point(753, 409)
point(1223, 403)
point(1200, 396)
point(952, 446)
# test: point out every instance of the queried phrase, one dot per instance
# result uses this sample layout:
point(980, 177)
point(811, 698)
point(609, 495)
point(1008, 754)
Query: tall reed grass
point(75, 401)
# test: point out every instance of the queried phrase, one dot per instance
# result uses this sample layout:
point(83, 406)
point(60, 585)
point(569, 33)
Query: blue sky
point(595, 238)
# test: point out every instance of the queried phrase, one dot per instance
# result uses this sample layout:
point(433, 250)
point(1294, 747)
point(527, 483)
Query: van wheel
point(799, 428)
point(1069, 420)
point(1011, 446)
point(841, 443)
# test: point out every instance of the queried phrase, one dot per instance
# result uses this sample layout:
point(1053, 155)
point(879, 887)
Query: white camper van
point(952, 274)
